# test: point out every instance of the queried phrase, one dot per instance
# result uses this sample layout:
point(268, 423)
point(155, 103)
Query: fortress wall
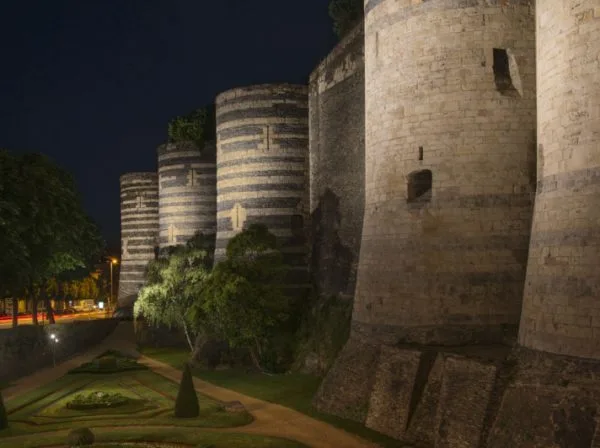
point(561, 309)
point(139, 231)
point(262, 168)
point(450, 170)
point(187, 194)
point(337, 165)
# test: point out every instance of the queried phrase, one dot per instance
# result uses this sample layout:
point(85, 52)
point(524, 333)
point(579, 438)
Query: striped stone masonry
point(139, 231)
point(187, 193)
point(262, 168)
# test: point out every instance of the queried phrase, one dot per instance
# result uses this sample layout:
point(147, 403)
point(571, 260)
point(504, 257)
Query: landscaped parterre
point(122, 402)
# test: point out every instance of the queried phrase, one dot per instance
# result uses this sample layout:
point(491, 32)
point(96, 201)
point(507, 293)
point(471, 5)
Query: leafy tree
point(173, 285)
point(189, 127)
point(345, 14)
point(44, 226)
point(186, 403)
point(242, 300)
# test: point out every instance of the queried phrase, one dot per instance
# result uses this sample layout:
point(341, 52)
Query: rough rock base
point(468, 397)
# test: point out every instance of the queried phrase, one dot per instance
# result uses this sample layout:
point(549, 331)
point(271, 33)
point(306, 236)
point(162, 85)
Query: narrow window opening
point(420, 153)
point(502, 76)
point(419, 186)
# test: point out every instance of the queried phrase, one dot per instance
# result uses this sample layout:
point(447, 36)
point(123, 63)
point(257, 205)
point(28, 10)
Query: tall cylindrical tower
point(139, 231)
point(262, 167)
point(450, 170)
point(561, 307)
point(187, 194)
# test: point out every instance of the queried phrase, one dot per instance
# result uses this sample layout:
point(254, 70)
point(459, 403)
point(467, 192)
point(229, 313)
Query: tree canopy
point(42, 225)
point(173, 284)
point(345, 15)
point(242, 299)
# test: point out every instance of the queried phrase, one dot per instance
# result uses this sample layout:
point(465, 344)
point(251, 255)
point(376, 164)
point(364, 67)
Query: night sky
point(93, 83)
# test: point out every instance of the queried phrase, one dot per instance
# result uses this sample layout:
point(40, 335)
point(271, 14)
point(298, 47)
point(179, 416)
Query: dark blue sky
point(93, 83)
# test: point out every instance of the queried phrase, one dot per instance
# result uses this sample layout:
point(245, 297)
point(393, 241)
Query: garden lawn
point(151, 403)
point(294, 390)
point(194, 437)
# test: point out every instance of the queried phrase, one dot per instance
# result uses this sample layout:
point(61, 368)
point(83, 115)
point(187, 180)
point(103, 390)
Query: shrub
point(186, 405)
point(3, 416)
point(107, 363)
point(97, 400)
point(80, 437)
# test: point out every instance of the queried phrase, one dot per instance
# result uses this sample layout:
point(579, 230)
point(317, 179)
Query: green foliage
point(3, 416)
point(97, 400)
point(80, 437)
point(242, 299)
point(186, 404)
point(42, 223)
point(345, 15)
point(189, 127)
point(174, 284)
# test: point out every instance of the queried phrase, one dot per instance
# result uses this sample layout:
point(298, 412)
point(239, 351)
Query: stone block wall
point(27, 348)
point(337, 165)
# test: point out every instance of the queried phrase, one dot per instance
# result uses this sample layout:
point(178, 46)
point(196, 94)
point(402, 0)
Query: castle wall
point(262, 168)
point(561, 310)
point(444, 251)
point(139, 231)
point(337, 165)
point(187, 195)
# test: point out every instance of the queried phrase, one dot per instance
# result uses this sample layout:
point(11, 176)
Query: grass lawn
point(294, 391)
point(194, 437)
point(141, 410)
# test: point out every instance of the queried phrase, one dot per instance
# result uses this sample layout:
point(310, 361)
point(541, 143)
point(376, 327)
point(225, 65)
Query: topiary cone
point(3, 416)
point(186, 405)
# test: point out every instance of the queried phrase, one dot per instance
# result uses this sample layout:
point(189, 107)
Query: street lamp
point(112, 261)
point(54, 340)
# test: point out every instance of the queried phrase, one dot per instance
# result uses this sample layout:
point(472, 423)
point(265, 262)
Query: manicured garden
point(293, 390)
point(122, 401)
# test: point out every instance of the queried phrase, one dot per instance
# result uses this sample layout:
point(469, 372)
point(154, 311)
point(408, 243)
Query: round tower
point(450, 170)
point(262, 167)
point(561, 310)
point(187, 195)
point(139, 231)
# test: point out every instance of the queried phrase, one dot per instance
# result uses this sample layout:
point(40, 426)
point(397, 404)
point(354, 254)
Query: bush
point(80, 437)
point(3, 416)
point(186, 405)
point(97, 400)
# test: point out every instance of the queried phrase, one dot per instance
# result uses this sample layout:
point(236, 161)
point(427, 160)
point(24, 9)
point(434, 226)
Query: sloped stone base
point(442, 399)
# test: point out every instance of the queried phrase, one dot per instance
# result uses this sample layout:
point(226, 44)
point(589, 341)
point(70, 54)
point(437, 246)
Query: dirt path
point(270, 419)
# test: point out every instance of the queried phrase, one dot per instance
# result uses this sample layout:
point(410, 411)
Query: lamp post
point(112, 261)
point(54, 340)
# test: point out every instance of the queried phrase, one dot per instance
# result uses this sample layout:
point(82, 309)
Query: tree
point(186, 404)
point(173, 285)
point(43, 226)
point(243, 300)
point(189, 127)
point(345, 14)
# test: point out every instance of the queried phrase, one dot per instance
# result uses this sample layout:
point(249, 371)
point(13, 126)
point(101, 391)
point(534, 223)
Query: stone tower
point(139, 231)
point(561, 306)
point(262, 168)
point(337, 165)
point(450, 170)
point(450, 166)
point(554, 398)
point(187, 191)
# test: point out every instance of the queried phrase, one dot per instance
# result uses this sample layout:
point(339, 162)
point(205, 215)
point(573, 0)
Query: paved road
point(24, 320)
